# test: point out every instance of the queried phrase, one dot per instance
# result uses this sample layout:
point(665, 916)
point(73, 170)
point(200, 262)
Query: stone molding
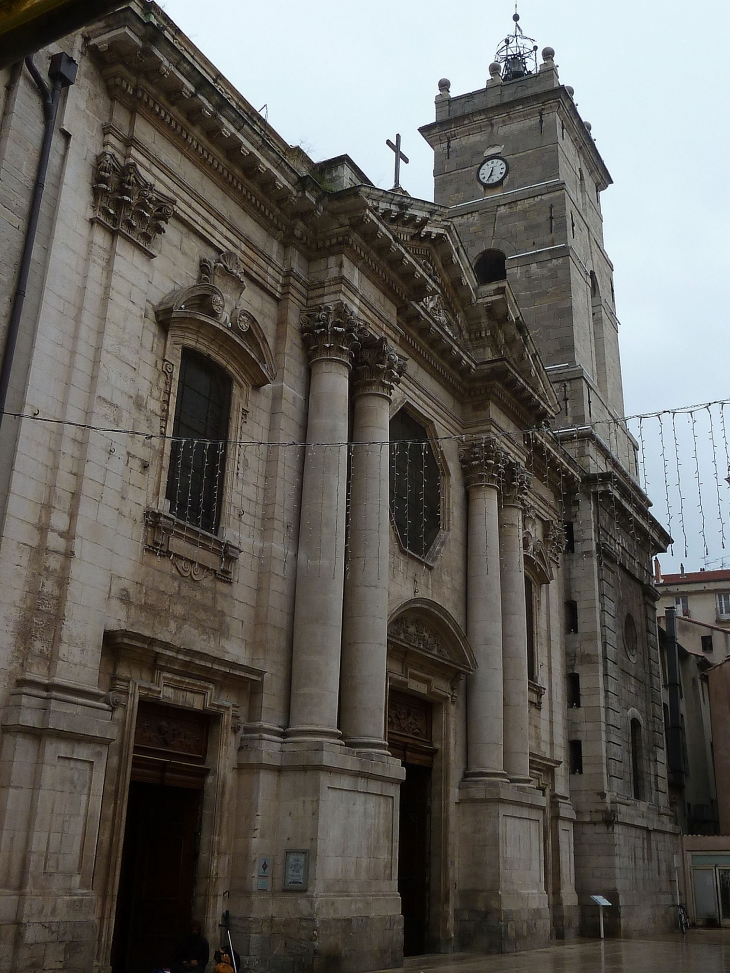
point(332, 332)
point(516, 484)
point(483, 463)
point(127, 203)
point(194, 553)
point(378, 368)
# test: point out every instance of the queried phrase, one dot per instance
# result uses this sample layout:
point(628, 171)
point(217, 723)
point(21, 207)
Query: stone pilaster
point(483, 464)
point(365, 641)
point(514, 624)
point(331, 335)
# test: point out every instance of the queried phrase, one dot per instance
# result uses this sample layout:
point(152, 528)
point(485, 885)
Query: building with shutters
point(327, 601)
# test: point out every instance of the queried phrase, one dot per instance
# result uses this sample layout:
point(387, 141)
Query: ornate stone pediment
point(425, 627)
point(128, 203)
point(212, 304)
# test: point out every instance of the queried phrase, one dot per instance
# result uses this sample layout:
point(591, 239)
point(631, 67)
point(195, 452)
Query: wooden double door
point(410, 739)
point(161, 839)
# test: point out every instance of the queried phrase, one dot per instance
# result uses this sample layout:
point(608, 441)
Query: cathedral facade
point(327, 613)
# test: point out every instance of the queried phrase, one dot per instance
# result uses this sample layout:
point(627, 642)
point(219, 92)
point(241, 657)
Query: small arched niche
point(490, 267)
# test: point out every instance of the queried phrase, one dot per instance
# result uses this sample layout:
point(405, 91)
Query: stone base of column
point(486, 775)
point(501, 904)
point(364, 746)
point(341, 809)
point(313, 733)
point(518, 779)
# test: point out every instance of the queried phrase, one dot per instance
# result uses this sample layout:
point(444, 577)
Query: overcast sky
point(650, 75)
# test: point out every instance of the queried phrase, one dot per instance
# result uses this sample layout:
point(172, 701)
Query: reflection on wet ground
point(700, 951)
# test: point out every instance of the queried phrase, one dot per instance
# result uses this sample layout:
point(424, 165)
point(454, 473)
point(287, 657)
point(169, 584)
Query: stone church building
point(326, 591)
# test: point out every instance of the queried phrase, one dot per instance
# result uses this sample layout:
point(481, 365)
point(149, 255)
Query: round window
point(630, 639)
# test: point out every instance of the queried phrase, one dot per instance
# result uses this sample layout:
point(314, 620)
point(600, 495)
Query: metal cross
point(398, 156)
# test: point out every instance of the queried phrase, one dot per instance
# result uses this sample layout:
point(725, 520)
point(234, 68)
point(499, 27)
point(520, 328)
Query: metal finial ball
point(516, 18)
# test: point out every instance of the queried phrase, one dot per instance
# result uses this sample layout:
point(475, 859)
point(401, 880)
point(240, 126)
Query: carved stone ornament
point(194, 553)
point(556, 540)
point(228, 263)
point(414, 632)
point(409, 718)
point(482, 462)
point(516, 484)
point(530, 524)
point(127, 203)
point(184, 734)
point(378, 367)
point(214, 299)
point(435, 308)
point(332, 331)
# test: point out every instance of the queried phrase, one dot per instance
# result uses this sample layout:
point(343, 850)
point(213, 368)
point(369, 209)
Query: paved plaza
point(700, 951)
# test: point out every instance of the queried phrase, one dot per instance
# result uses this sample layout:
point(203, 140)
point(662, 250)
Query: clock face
point(492, 171)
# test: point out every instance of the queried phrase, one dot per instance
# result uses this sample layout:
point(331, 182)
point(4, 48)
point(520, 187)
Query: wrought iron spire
point(517, 54)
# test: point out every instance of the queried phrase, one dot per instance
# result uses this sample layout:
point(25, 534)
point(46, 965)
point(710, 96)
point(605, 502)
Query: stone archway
point(428, 656)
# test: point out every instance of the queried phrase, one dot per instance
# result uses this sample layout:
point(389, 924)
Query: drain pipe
point(62, 72)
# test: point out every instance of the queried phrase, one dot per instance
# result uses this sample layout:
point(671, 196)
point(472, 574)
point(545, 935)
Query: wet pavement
point(700, 951)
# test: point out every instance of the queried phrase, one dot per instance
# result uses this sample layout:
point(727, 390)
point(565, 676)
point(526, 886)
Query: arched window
point(530, 619)
point(490, 266)
point(415, 485)
point(198, 449)
point(636, 759)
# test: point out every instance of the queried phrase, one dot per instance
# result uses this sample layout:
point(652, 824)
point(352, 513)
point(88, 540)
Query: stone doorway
point(410, 720)
point(162, 837)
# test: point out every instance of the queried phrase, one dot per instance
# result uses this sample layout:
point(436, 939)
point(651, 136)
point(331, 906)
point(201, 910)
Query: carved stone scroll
point(483, 463)
point(378, 367)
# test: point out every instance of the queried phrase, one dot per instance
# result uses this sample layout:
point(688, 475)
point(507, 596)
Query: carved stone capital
point(482, 463)
point(378, 368)
point(516, 484)
point(127, 203)
point(332, 331)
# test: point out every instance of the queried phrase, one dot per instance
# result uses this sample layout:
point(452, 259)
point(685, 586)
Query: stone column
point(483, 465)
point(514, 625)
point(365, 640)
point(331, 335)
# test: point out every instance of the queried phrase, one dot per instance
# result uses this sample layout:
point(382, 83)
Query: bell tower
point(518, 171)
point(521, 175)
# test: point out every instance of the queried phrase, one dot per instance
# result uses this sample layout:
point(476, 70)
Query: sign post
point(600, 902)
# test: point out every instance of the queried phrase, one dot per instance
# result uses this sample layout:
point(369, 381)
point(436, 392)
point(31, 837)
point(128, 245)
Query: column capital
point(482, 462)
point(516, 484)
point(332, 331)
point(378, 367)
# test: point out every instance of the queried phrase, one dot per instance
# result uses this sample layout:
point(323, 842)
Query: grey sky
point(651, 77)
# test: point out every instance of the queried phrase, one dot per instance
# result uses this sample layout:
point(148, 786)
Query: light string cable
point(612, 422)
point(717, 478)
point(693, 426)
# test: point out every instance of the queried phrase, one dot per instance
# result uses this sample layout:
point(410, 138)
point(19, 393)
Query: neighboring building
point(703, 596)
point(706, 860)
point(327, 594)
point(692, 790)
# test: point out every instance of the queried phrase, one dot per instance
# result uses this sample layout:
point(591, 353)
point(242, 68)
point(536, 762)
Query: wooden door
point(414, 857)
point(158, 875)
